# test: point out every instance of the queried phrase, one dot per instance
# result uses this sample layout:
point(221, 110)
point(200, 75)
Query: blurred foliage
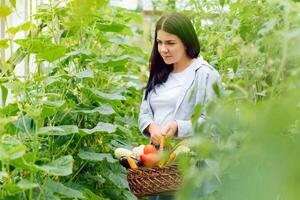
point(247, 148)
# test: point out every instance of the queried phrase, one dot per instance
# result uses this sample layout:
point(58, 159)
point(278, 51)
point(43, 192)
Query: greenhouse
point(150, 99)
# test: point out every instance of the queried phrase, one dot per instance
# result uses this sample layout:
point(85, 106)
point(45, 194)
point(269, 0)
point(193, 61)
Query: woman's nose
point(163, 48)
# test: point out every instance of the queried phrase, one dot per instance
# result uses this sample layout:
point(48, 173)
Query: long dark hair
point(179, 25)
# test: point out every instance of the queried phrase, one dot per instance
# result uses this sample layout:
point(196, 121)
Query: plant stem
point(284, 53)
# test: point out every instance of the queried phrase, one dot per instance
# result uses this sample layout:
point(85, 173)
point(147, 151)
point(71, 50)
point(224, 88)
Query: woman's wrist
point(150, 127)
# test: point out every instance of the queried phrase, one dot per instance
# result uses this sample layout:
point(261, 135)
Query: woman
point(179, 80)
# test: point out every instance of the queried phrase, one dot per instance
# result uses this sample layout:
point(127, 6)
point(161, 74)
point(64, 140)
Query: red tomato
point(149, 149)
point(150, 159)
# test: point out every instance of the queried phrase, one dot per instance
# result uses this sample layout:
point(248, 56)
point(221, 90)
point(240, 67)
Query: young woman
point(179, 80)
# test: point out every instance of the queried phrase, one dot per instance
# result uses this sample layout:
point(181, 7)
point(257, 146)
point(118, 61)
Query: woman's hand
point(155, 133)
point(170, 129)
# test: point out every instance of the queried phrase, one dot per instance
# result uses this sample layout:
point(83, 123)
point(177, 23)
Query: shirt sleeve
point(185, 128)
point(205, 94)
point(145, 117)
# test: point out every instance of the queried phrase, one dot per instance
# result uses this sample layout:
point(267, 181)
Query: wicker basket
point(154, 181)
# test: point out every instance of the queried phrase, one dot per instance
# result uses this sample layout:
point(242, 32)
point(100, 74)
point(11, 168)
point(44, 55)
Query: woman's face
point(170, 47)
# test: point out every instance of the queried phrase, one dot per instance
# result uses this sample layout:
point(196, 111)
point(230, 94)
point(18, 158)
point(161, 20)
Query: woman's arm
point(145, 118)
point(147, 125)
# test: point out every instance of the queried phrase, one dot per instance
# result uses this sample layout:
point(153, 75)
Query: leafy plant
point(67, 117)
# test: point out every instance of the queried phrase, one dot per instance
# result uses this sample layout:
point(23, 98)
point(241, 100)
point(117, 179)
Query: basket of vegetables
point(152, 172)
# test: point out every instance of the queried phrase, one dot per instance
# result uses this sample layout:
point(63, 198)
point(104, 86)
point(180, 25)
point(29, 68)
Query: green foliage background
point(58, 135)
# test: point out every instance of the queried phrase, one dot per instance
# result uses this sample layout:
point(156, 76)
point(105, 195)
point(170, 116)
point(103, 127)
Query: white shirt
point(163, 100)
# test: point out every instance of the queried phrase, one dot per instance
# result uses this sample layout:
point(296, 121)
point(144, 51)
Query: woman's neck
point(182, 64)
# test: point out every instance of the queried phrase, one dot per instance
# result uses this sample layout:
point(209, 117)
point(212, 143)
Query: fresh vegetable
point(119, 152)
point(131, 163)
point(138, 151)
point(150, 149)
point(124, 162)
point(171, 158)
point(150, 159)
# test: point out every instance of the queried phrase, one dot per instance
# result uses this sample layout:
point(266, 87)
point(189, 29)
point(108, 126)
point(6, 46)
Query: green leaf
point(88, 194)
point(21, 163)
point(60, 167)
point(17, 56)
point(35, 45)
point(62, 190)
point(4, 93)
point(103, 109)
point(10, 110)
point(5, 11)
point(11, 148)
point(112, 62)
point(4, 44)
point(102, 95)
point(49, 195)
point(198, 109)
point(23, 27)
point(25, 184)
point(119, 180)
point(101, 127)
point(91, 156)
point(52, 53)
point(113, 27)
point(13, 3)
point(129, 195)
point(88, 73)
point(58, 130)
point(221, 2)
point(83, 53)
point(56, 104)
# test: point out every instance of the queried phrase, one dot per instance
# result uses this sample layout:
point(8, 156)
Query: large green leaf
point(5, 11)
point(25, 184)
point(52, 53)
point(112, 62)
point(10, 110)
point(58, 130)
point(23, 27)
point(91, 156)
point(119, 180)
point(113, 27)
point(88, 73)
point(103, 109)
point(62, 190)
point(56, 104)
point(60, 167)
point(101, 127)
point(102, 95)
point(23, 162)
point(35, 45)
point(11, 148)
